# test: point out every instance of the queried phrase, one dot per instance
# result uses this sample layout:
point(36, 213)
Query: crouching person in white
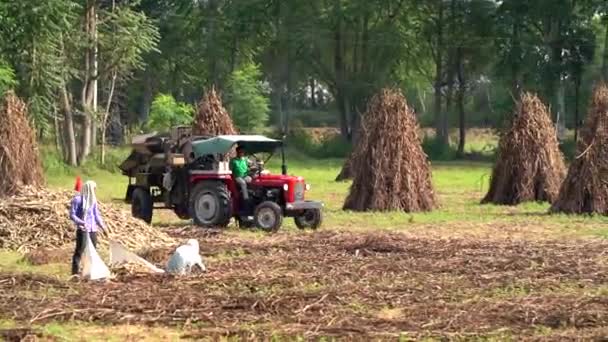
point(185, 258)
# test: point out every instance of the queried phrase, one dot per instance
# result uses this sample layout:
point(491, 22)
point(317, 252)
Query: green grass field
point(459, 186)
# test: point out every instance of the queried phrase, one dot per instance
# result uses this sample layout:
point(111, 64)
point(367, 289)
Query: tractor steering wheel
point(257, 167)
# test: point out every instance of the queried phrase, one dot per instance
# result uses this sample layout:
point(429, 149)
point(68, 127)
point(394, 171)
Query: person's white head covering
point(88, 196)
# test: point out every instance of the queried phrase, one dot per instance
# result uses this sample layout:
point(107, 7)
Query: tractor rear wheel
point(268, 216)
point(210, 204)
point(142, 205)
point(310, 218)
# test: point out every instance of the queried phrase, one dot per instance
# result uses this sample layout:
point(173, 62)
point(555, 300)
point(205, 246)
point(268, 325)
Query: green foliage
point(315, 118)
point(568, 148)
point(125, 36)
point(7, 78)
point(333, 146)
point(248, 103)
point(166, 112)
point(31, 39)
point(435, 150)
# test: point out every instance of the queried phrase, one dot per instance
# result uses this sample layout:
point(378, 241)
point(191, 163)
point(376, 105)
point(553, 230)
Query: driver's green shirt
point(239, 167)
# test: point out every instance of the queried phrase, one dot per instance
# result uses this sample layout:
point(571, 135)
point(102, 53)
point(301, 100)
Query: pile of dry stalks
point(347, 170)
point(20, 163)
point(529, 166)
point(212, 118)
point(390, 169)
point(585, 189)
point(37, 218)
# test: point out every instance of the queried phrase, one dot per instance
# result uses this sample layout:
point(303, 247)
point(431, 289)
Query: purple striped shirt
point(92, 219)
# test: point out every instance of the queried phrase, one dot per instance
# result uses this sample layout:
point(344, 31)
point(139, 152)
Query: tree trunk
point(95, 75)
point(68, 123)
point(440, 117)
point(577, 91)
point(277, 99)
point(451, 72)
point(341, 96)
point(59, 146)
point(605, 57)
point(89, 84)
point(106, 115)
point(289, 60)
point(147, 97)
point(313, 96)
point(516, 81)
point(461, 92)
point(560, 98)
point(213, 77)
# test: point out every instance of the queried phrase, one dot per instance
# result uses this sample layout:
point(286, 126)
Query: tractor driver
point(240, 171)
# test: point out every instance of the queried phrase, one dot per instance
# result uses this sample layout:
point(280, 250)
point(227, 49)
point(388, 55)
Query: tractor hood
point(224, 143)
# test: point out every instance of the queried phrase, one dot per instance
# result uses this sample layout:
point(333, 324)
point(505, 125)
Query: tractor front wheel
point(310, 218)
point(268, 216)
point(210, 204)
point(142, 205)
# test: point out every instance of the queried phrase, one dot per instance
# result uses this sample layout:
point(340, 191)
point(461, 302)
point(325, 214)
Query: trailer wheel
point(142, 205)
point(310, 218)
point(210, 204)
point(268, 216)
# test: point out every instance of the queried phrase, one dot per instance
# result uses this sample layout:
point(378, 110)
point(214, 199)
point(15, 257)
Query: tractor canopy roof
point(224, 143)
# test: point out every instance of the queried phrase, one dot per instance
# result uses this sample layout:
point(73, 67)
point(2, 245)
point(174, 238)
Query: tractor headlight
point(285, 187)
point(307, 187)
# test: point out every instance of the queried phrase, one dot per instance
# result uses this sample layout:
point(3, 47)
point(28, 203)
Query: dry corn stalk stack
point(212, 118)
point(37, 218)
point(19, 160)
point(529, 165)
point(585, 189)
point(347, 170)
point(390, 169)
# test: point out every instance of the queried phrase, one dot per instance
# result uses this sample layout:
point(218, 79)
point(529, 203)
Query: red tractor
point(190, 175)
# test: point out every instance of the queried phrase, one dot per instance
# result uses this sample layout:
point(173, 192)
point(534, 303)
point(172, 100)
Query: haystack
point(212, 118)
point(390, 169)
point(20, 163)
point(347, 169)
point(529, 166)
point(585, 189)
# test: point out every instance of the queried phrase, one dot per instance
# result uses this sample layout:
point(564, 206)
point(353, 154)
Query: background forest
point(95, 72)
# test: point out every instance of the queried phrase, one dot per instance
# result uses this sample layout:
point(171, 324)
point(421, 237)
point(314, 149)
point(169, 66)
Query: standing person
point(84, 212)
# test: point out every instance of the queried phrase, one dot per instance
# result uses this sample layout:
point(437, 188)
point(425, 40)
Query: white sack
point(92, 266)
point(184, 258)
point(120, 255)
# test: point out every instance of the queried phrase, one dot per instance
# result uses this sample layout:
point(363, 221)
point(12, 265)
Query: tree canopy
point(91, 68)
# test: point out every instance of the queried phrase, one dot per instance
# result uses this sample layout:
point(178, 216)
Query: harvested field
point(45, 256)
point(339, 284)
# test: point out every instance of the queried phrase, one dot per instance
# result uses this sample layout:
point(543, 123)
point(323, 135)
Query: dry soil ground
point(344, 284)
